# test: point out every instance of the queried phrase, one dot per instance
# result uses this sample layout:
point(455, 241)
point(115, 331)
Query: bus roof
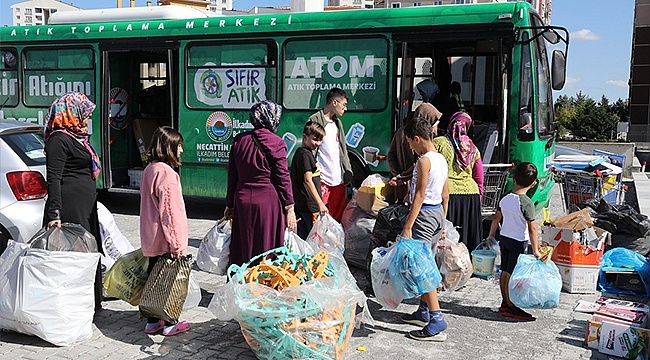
point(333, 21)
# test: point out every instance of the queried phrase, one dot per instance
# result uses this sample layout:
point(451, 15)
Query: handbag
point(166, 289)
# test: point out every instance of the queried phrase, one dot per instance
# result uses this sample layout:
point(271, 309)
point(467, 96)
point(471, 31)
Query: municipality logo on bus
point(219, 126)
point(231, 87)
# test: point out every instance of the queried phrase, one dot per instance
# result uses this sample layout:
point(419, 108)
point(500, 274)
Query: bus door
point(470, 75)
point(139, 89)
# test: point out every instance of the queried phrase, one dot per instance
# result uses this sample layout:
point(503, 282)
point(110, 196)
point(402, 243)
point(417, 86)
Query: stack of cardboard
point(578, 250)
point(618, 327)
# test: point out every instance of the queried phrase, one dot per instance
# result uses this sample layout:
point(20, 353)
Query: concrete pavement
point(476, 330)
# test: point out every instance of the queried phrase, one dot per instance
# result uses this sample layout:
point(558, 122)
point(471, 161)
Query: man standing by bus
point(336, 170)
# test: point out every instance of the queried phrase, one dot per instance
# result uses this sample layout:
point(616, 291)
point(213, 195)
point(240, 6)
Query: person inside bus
point(336, 170)
point(401, 158)
point(465, 178)
point(72, 166)
point(431, 93)
point(259, 198)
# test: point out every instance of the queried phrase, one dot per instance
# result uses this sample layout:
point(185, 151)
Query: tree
point(585, 119)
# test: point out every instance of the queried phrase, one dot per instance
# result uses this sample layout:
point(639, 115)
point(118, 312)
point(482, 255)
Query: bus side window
point(525, 126)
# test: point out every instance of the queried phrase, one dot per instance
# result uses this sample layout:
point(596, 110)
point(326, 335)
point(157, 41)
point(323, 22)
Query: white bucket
point(483, 262)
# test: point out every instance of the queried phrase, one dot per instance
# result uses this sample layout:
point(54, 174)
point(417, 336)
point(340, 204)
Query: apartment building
point(640, 75)
point(364, 4)
point(36, 12)
point(543, 6)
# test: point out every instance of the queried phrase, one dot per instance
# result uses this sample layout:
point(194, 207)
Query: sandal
point(180, 327)
point(154, 327)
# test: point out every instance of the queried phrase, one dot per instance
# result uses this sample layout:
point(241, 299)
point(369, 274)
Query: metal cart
point(495, 180)
point(577, 187)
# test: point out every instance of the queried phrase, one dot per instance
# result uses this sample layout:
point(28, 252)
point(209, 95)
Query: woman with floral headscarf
point(72, 168)
point(465, 179)
point(259, 198)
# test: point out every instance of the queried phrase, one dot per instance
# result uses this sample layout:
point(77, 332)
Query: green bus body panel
point(339, 21)
point(204, 170)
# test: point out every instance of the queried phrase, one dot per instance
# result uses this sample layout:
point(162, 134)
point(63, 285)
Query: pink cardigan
point(163, 221)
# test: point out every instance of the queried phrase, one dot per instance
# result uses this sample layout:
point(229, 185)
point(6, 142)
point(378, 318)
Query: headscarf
point(266, 114)
point(464, 148)
point(428, 112)
point(66, 115)
point(428, 87)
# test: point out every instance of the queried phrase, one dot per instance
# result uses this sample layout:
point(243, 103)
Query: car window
point(29, 147)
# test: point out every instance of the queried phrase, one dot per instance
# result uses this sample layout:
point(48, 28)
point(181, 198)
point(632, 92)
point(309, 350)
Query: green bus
point(201, 76)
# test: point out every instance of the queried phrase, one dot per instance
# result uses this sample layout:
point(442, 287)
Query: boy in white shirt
point(429, 197)
point(518, 214)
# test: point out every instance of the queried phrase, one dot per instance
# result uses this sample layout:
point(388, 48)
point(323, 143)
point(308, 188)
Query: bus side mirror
point(558, 69)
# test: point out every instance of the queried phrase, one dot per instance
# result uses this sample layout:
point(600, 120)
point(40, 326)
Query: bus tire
point(360, 169)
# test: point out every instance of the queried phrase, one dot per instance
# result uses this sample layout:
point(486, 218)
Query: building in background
point(640, 75)
point(364, 4)
point(543, 6)
point(220, 5)
point(36, 12)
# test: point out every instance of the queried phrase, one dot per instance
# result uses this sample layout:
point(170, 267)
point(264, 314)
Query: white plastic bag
point(214, 251)
point(327, 234)
point(382, 285)
point(193, 293)
point(114, 243)
point(295, 244)
point(49, 294)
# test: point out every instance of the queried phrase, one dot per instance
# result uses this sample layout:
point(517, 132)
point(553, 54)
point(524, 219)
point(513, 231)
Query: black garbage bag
point(390, 222)
point(619, 219)
point(632, 242)
point(69, 237)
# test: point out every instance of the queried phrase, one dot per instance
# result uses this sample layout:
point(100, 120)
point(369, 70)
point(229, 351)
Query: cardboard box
point(626, 280)
point(579, 279)
point(627, 305)
point(593, 334)
point(629, 342)
point(630, 317)
point(143, 129)
point(568, 249)
point(135, 175)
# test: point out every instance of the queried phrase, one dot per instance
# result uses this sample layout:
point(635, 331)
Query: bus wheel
point(360, 169)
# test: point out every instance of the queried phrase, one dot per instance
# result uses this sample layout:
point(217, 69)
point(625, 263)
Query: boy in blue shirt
point(305, 179)
point(518, 214)
point(429, 195)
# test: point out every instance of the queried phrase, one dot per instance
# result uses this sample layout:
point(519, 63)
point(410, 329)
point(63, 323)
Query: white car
point(23, 188)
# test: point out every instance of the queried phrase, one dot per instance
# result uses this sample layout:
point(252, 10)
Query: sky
point(600, 46)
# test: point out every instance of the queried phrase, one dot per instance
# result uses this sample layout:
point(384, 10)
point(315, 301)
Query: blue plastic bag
point(535, 283)
point(622, 259)
point(413, 268)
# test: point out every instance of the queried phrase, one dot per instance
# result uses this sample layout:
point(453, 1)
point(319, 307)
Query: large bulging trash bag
point(619, 219)
point(114, 243)
point(535, 283)
point(358, 226)
point(624, 260)
point(413, 268)
point(49, 294)
point(383, 286)
point(390, 222)
point(69, 237)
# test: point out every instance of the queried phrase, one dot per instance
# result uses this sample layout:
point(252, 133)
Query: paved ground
point(476, 330)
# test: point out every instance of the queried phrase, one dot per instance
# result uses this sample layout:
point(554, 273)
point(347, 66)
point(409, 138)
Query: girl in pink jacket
point(163, 221)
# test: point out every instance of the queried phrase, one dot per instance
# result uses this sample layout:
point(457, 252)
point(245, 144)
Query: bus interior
point(138, 96)
point(477, 66)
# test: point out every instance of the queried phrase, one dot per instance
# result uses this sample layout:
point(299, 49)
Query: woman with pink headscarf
point(465, 179)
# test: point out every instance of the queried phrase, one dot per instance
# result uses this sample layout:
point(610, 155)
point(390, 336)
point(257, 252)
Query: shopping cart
point(495, 179)
point(578, 187)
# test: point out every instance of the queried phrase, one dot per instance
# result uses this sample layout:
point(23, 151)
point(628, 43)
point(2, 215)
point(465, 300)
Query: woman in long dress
point(465, 179)
point(72, 168)
point(259, 198)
